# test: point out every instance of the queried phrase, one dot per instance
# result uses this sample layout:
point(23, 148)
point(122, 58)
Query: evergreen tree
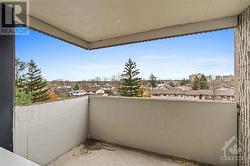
point(152, 81)
point(35, 83)
point(130, 82)
point(203, 82)
point(22, 98)
point(19, 74)
point(77, 86)
point(196, 83)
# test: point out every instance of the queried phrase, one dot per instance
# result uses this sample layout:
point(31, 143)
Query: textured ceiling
point(94, 20)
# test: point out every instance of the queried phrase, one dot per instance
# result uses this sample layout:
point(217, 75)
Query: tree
point(52, 96)
point(152, 81)
point(196, 83)
point(184, 82)
point(22, 98)
point(203, 82)
point(20, 66)
point(116, 78)
point(35, 83)
point(130, 82)
point(97, 80)
point(172, 84)
point(77, 86)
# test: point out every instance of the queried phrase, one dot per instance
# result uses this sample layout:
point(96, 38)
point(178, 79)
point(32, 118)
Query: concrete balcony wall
point(45, 131)
point(190, 129)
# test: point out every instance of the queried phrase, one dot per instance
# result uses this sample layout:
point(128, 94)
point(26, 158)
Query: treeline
point(31, 87)
point(131, 82)
point(200, 83)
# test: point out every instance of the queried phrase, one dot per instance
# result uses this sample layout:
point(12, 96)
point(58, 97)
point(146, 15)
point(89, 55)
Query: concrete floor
point(101, 154)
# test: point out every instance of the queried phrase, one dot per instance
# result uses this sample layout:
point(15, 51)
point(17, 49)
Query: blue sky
point(174, 58)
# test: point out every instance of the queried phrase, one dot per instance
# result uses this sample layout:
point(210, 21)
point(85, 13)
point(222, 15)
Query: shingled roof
point(193, 92)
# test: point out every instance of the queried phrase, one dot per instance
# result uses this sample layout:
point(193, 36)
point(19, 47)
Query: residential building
point(228, 78)
point(100, 91)
point(218, 78)
point(77, 93)
point(225, 95)
point(209, 78)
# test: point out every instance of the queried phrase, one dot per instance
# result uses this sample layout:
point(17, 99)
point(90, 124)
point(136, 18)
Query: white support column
point(242, 80)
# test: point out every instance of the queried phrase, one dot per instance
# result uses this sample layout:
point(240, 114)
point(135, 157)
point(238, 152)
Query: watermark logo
point(232, 150)
point(14, 17)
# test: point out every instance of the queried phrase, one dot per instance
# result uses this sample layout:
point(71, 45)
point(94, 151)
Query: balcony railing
point(188, 129)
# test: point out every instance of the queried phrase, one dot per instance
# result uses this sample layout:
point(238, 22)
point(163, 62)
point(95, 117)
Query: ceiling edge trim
point(168, 32)
point(53, 31)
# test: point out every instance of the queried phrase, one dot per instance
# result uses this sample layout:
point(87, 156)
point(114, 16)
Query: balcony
point(141, 130)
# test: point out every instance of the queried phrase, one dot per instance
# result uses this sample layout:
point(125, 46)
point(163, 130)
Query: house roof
point(224, 92)
point(194, 92)
point(95, 24)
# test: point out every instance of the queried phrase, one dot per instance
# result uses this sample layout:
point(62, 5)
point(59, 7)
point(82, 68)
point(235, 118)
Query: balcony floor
point(107, 155)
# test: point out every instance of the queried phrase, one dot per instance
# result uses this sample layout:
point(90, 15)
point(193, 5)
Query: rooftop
point(216, 92)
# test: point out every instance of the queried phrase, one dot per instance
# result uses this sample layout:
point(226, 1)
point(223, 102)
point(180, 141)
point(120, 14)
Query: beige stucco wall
point(45, 131)
point(189, 129)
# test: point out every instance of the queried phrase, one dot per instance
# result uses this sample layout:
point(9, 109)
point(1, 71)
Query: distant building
point(225, 95)
point(62, 90)
point(228, 78)
point(209, 78)
point(183, 87)
point(223, 88)
point(77, 93)
point(225, 78)
point(191, 77)
point(92, 90)
point(218, 78)
point(100, 91)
